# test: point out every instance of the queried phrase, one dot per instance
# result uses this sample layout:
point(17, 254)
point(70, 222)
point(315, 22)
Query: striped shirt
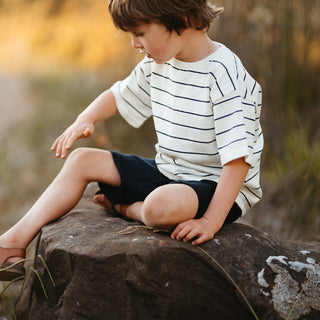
point(206, 114)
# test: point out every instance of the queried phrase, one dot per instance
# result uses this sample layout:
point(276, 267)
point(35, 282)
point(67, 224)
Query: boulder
point(105, 267)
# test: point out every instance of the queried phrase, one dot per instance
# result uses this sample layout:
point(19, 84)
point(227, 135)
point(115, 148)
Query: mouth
point(148, 55)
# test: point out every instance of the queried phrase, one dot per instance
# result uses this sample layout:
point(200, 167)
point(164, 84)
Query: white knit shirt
point(206, 114)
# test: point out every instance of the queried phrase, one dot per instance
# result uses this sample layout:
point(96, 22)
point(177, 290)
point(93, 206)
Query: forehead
point(148, 27)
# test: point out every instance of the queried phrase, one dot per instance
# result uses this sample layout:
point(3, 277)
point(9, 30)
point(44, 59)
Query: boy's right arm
point(103, 107)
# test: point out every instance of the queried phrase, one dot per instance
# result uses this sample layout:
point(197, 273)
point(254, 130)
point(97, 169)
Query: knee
point(83, 160)
point(84, 155)
point(78, 156)
point(156, 210)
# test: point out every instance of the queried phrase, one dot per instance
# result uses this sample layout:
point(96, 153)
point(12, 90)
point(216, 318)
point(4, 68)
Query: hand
point(75, 132)
point(201, 230)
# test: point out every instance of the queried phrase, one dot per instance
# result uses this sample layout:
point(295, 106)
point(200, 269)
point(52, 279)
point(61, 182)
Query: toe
point(99, 198)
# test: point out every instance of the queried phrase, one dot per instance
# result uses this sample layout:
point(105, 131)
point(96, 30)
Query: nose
point(135, 42)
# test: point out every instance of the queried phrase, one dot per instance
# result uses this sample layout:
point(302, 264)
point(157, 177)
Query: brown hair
point(175, 15)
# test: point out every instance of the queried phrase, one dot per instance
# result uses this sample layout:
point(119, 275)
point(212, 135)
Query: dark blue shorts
point(140, 176)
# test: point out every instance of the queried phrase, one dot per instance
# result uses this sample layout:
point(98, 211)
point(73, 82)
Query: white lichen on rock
point(286, 291)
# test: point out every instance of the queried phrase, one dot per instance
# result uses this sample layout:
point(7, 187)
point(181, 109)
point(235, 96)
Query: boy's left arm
point(228, 188)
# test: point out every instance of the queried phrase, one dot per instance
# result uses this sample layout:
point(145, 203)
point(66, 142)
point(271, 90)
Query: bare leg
point(165, 207)
point(82, 166)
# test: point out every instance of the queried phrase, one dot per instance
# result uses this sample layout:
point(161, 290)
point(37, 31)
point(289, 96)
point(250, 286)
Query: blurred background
point(56, 56)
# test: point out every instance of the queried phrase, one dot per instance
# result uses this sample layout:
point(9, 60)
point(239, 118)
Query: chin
point(159, 61)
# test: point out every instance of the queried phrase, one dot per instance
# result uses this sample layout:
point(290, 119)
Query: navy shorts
point(140, 176)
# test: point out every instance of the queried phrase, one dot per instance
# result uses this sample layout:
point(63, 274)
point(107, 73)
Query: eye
point(139, 34)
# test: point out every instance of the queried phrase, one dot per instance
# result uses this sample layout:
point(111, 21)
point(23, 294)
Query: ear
point(187, 22)
point(181, 32)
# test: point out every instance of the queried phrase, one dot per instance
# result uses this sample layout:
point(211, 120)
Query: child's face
point(156, 42)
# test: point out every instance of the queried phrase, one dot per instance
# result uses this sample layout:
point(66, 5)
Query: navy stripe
point(180, 97)
point(196, 174)
point(257, 173)
point(194, 153)
point(182, 111)
point(230, 129)
point(217, 83)
point(142, 71)
point(248, 104)
point(211, 167)
point(127, 102)
point(232, 142)
point(181, 83)
point(148, 61)
point(255, 83)
point(216, 104)
point(185, 70)
point(250, 119)
point(245, 75)
point(249, 204)
point(139, 86)
point(228, 115)
point(226, 71)
point(257, 152)
point(245, 96)
point(179, 174)
point(138, 97)
point(253, 193)
point(182, 125)
point(185, 139)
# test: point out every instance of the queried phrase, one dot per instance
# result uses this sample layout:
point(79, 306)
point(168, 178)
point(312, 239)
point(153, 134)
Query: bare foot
point(103, 202)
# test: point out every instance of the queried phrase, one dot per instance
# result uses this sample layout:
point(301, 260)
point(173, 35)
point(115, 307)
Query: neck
point(195, 45)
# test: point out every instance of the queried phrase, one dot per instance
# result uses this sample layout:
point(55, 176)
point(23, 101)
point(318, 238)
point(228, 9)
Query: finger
point(55, 144)
point(191, 235)
point(87, 132)
point(183, 232)
point(200, 240)
point(59, 146)
point(176, 231)
point(67, 143)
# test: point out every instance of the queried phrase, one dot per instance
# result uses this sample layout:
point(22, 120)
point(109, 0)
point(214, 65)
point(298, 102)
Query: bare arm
point(103, 107)
point(228, 188)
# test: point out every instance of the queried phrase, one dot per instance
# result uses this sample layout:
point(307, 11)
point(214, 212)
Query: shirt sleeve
point(235, 116)
point(133, 95)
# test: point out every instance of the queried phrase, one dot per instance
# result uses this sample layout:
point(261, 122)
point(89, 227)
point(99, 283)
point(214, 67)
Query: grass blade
point(14, 264)
point(301, 292)
point(10, 283)
point(46, 266)
point(41, 282)
point(232, 281)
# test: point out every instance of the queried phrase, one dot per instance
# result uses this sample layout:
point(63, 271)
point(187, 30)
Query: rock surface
point(101, 273)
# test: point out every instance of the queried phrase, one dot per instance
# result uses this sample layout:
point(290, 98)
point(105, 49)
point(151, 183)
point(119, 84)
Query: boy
point(206, 111)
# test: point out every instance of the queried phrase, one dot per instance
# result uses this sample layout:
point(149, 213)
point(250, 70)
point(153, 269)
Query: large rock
point(101, 273)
